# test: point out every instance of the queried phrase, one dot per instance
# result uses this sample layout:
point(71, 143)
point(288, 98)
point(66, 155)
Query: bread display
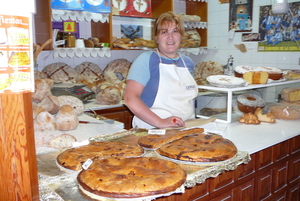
point(249, 102)
point(73, 101)
point(274, 73)
point(130, 177)
point(199, 148)
point(155, 141)
point(256, 77)
point(61, 72)
point(89, 71)
point(291, 94)
point(73, 158)
point(249, 118)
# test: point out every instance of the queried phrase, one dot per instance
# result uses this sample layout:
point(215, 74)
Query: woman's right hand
point(172, 121)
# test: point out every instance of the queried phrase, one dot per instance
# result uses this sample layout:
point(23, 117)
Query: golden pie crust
point(74, 158)
point(155, 141)
point(117, 177)
point(199, 148)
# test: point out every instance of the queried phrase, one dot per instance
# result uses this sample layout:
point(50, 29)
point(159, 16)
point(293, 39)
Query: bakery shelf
point(230, 115)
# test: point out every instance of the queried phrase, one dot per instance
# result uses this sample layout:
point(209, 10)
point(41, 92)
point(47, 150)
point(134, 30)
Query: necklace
point(175, 61)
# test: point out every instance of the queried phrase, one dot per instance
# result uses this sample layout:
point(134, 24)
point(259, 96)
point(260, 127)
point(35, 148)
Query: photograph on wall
point(240, 16)
point(250, 37)
point(279, 32)
point(131, 31)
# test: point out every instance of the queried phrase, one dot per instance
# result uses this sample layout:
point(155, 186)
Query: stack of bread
point(108, 84)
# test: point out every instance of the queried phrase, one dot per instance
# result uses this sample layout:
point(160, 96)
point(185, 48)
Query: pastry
point(249, 118)
point(155, 141)
point(207, 68)
point(74, 158)
point(249, 102)
point(130, 177)
point(268, 117)
point(199, 148)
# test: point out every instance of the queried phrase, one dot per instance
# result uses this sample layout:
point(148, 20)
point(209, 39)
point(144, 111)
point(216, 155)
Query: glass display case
point(221, 102)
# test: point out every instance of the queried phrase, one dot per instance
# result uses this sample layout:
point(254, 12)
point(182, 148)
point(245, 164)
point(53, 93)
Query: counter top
point(254, 138)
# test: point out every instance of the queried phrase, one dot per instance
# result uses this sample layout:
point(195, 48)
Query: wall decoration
point(250, 37)
point(279, 32)
point(240, 16)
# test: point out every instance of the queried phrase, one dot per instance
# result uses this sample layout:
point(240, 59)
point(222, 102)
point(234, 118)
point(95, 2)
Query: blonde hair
point(165, 20)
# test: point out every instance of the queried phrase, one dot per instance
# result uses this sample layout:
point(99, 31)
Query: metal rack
point(230, 91)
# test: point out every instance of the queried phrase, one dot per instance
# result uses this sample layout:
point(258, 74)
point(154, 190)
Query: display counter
point(273, 168)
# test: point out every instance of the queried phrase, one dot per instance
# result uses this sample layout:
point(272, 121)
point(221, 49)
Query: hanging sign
point(16, 59)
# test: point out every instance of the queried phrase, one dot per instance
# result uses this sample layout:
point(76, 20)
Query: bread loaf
point(89, 71)
point(50, 104)
point(62, 142)
point(45, 121)
point(66, 119)
point(116, 71)
point(285, 111)
point(109, 96)
point(61, 72)
point(207, 68)
point(75, 102)
point(259, 77)
point(42, 89)
point(291, 94)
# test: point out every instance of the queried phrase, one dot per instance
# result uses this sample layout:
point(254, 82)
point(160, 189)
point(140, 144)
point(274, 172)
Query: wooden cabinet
point(121, 114)
point(104, 31)
point(272, 174)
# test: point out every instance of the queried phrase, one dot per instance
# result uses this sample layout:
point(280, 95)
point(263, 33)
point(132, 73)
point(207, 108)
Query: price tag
point(87, 164)
point(157, 132)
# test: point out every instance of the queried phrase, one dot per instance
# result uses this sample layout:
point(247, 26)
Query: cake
point(154, 141)
point(249, 102)
point(256, 77)
point(291, 94)
point(274, 73)
point(73, 158)
point(130, 177)
point(199, 148)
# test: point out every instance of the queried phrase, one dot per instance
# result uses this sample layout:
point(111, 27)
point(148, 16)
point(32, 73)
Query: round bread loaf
point(89, 71)
point(50, 104)
point(62, 142)
point(131, 177)
point(249, 102)
point(75, 102)
point(66, 118)
point(61, 72)
point(117, 70)
point(111, 95)
point(45, 121)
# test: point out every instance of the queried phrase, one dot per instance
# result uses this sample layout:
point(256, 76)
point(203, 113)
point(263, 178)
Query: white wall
point(220, 46)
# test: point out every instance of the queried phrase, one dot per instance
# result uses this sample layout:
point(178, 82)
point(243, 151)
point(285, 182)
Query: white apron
point(175, 97)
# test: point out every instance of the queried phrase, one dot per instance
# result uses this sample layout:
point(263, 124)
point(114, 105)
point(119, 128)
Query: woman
point(160, 87)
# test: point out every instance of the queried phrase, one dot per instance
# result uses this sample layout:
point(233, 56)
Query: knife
point(89, 122)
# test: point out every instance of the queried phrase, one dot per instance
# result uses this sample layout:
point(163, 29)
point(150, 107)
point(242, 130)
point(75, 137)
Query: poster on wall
point(16, 66)
point(240, 16)
point(279, 32)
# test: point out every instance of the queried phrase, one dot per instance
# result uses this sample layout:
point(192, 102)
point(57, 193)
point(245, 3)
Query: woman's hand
point(172, 121)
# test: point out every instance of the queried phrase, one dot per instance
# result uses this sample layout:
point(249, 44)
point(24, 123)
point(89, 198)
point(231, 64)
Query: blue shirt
point(145, 70)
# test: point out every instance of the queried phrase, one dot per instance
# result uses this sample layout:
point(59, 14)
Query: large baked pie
point(199, 148)
point(118, 177)
point(155, 141)
point(74, 158)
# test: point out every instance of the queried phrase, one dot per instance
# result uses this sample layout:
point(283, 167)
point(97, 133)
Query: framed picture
point(240, 15)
